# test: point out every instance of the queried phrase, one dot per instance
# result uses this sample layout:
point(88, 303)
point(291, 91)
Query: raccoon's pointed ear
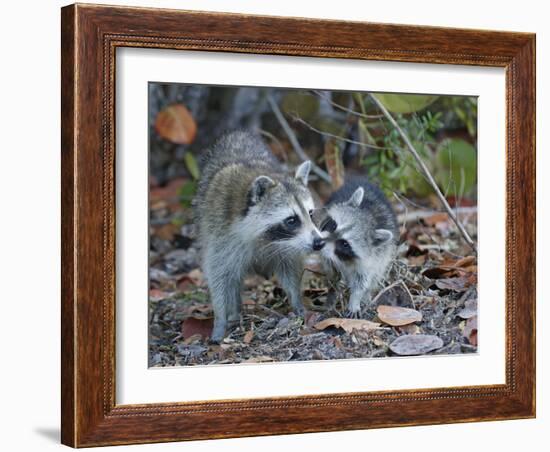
point(357, 198)
point(302, 172)
point(382, 236)
point(259, 188)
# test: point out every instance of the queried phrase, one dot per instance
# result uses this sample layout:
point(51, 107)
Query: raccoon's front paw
point(215, 340)
point(353, 313)
point(299, 311)
point(218, 334)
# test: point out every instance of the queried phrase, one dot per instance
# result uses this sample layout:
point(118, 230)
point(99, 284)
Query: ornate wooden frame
point(90, 35)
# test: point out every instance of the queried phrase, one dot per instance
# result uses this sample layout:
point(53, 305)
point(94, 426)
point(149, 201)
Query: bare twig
point(403, 199)
point(294, 141)
point(338, 137)
point(426, 173)
point(346, 109)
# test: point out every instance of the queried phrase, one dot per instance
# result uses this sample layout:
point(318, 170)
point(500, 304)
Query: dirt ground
point(427, 305)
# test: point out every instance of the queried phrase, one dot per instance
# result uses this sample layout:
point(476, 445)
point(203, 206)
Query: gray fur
point(365, 219)
point(243, 195)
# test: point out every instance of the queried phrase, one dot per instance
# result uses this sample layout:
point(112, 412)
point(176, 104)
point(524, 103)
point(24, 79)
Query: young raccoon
point(253, 218)
point(360, 228)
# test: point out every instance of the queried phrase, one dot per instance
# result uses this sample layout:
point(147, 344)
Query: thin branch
point(346, 109)
point(294, 141)
point(402, 199)
point(338, 137)
point(427, 173)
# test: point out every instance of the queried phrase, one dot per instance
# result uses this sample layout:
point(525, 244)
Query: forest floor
point(427, 305)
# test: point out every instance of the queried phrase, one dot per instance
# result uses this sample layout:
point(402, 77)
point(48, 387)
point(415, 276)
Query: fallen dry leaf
point(436, 218)
point(470, 330)
point(192, 279)
point(166, 231)
point(469, 310)
point(348, 325)
point(409, 329)
point(176, 124)
point(465, 261)
point(157, 294)
point(169, 191)
point(415, 344)
point(259, 359)
point(192, 338)
point(459, 284)
point(196, 276)
point(440, 272)
point(397, 316)
point(418, 261)
point(415, 250)
point(311, 318)
point(192, 326)
point(199, 311)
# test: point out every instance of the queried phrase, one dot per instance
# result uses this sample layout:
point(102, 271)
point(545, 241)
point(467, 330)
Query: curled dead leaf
point(397, 316)
point(348, 325)
point(176, 124)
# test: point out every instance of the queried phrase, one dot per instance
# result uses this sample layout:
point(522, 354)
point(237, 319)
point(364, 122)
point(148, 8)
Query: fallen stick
point(420, 214)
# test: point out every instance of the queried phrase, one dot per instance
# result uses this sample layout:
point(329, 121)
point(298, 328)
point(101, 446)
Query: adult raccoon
point(361, 231)
point(253, 218)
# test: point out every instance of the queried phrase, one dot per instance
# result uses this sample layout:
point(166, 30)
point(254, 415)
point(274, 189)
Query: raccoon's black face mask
point(282, 209)
point(348, 234)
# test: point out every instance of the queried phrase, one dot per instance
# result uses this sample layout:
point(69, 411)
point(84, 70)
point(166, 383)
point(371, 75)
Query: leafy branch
point(425, 171)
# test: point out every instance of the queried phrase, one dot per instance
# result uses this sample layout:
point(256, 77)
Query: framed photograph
point(282, 225)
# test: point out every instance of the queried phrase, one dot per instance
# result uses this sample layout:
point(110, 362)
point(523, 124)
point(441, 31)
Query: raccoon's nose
point(318, 244)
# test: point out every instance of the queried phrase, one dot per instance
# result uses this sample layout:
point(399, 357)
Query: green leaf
point(405, 103)
point(191, 165)
point(187, 192)
point(300, 104)
point(456, 167)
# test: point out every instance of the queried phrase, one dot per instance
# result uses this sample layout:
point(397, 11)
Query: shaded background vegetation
point(346, 125)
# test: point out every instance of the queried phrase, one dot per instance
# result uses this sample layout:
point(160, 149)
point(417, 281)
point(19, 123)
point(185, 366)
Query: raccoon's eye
point(343, 250)
point(329, 225)
point(311, 214)
point(292, 222)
